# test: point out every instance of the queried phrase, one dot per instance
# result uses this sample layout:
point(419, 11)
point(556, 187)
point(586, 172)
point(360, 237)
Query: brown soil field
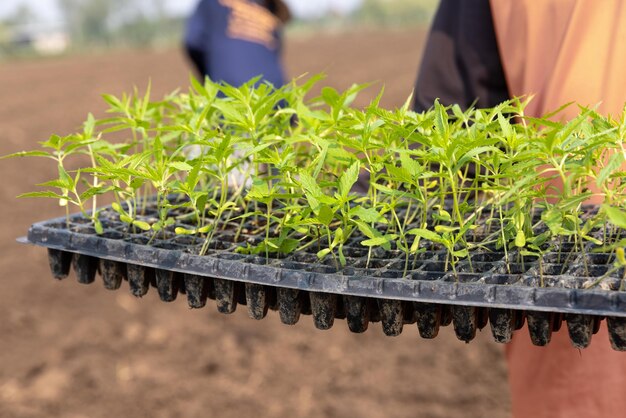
point(73, 351)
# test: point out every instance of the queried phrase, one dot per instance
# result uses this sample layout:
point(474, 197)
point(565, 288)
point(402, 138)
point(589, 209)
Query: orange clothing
point(562, 51)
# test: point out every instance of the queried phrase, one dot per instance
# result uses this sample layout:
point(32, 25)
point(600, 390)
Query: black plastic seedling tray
point(503, 295)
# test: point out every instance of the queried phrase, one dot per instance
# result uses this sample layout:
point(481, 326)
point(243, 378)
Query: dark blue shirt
point(234, 41)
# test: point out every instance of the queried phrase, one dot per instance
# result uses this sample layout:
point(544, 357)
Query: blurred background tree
point(27, 28)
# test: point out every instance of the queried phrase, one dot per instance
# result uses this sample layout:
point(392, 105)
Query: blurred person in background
point(236, 40)
point(560, 51)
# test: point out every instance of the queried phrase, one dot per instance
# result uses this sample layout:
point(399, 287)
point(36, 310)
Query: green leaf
point(113, 101)
point(461, 253)
point(520, 238)
point(337, 238)
point(368, 215)
point(409, 164)
point(441, 120)
point(42, 194)
point(322, 253)
point(621, 258)
point(117, 207)
point(142, 225)
point(471, 154)
point(342, 257)
point(182, 231)
point(349, 178)
point(426, 234)
point(330, 96)
point(180, 166)
point(309, 184)
point(615, 215)
point(384, 239)
point(98, 226)
point(325, 215)
point(505, 125)
point(615, 162)
point(367, 230)
point(288, 245)
point(27, 154)
point(446, 229)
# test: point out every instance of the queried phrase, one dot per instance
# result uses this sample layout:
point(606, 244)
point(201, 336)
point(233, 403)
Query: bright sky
point(47, 10)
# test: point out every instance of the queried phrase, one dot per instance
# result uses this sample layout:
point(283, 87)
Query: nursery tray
point(483, 291)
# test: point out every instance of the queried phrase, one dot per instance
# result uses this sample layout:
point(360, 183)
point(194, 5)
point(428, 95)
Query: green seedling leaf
point(145, 226)
point(337, 238)
point(615, 162)
point(367, 230)
point(441, 120)
point(98, 226)
point(592, 239)
point(126, 219)
point(426, 234)
point(446, 229)
point(348, 179)
point(180, 166)
point(323, 253)
point(310, 185)
point(182, 231)
point(326, 215)
point(288, 245)
point(461, 253)
point(520, 239)
point(619, 255)
point(368, 215)
point(27, 154)
point(342, 257)
point(43, 194)
point(205, 229)
point(117, 207)
point(409, 164)
point(384, 239)
point(615, 215)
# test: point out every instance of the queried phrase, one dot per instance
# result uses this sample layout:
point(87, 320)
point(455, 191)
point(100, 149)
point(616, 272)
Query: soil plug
point(580, 328)
point(289, 305)
point(138, 279)
point(225, 297)
point(464, 319)
point(540, 325)
point(60, 263)
point(502, 324)
point(113, 272)
point(357, 313)
point(391, 316)
point(85, 267)
point(256, 299)
point(167, 284)
point(323, 306)
point(428, 317)
point(197, 288)
point(617, 332)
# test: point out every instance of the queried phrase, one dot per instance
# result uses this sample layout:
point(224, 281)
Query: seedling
point(259, 158)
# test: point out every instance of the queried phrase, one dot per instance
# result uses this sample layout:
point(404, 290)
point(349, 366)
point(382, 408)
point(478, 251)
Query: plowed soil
point(68, 350)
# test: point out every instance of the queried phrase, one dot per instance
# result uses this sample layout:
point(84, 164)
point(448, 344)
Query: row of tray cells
point(325, 307)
